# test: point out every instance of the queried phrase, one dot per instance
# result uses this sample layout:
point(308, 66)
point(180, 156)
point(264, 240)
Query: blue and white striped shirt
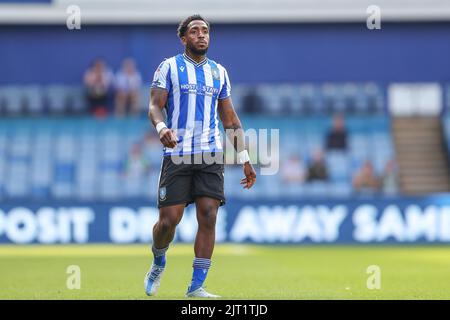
point(194, 91)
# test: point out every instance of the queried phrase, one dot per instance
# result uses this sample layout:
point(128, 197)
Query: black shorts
point(183, 182)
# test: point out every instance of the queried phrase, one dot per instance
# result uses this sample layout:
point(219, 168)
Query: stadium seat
point(13, 100)
point(110, 184)
point(3, 142)
point(238, 93)
point(340, 189)
point(41, 166)
point(19, 147)
point(311, 100)
point(314, 142)
point(144, 98)
point(151, 189)
point(65, 148)
point(349, 98)
point(57, 99)
point(76, 100)
point(132, 187)
point(17, 184)
point(62, 190)
point(86, 175)
point(270, 97)
point(332, 98)
point(447, 98)
point(316, 189)
point(84, 158)
point(231, 183)
point(289, 99)
point(294, 191)
point(34, 100)
point(338, 166)
point(64, 173)
point(359, 145)
point(375, 98)
point(3, 170)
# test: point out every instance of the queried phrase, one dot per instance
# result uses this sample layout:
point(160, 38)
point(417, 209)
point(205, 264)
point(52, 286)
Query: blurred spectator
point(337, 136)
point(136, 165)
point(365, 179)
point(128, 83)
point(293, 170)
point(389, 179)
point(97, 81)
point(317, 169)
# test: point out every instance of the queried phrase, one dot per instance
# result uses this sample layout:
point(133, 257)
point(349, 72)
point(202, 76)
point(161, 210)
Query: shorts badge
point(162, 193)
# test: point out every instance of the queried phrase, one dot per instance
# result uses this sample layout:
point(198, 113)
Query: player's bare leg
point(164, 229)
point(204, 245)
point(163, 234)
point(206, 234)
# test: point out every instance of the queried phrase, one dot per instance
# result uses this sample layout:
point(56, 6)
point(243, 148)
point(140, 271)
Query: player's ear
point(183, 40)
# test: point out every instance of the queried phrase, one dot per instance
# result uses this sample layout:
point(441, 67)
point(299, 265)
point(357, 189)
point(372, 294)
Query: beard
point(199, 52)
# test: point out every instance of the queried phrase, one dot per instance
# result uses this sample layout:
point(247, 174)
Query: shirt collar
point(195, 63)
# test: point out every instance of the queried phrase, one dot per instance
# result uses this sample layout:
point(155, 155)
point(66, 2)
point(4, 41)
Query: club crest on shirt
point(162, 193)
point(215, 74)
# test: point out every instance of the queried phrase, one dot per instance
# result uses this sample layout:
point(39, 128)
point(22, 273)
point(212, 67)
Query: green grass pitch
point(238, 272)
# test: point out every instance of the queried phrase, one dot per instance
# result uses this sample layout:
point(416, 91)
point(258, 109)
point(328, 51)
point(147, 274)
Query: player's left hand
point(250, 176)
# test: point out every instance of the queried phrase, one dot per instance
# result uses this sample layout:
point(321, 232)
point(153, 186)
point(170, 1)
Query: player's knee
point(208, 217)
point(168, 223)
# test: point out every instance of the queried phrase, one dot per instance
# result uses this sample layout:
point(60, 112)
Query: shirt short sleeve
point(226, 88)
point(161, 78)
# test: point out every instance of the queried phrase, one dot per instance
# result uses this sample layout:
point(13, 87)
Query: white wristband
point(243, 157)
point(159, 126)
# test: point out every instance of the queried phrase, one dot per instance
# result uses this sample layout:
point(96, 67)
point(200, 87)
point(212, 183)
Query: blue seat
point(238, 95)
point(87, 189)
point(19, 148)
point(270, 97)
point(12, 100)
point(57, 97)
point(3, 143)
point(375, 97)
point(64, 172)
point(84, 158)
point(231, 182)
point(144, 98)
point(316, 189)
point(338, 166)
point(40, 191)
point(311, 99)
point(62, 190)
point(110, 184)
point(340, 189)
point(76, 100)
point(34, 99)
point(17, 180)
point(447, 95)
point(3, 170)
point(361, 100)
point(332, 98)
point(349, 92)
point(289, 99)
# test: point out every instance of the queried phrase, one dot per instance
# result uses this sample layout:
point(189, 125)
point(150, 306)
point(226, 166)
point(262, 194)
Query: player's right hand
point(168, 138)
